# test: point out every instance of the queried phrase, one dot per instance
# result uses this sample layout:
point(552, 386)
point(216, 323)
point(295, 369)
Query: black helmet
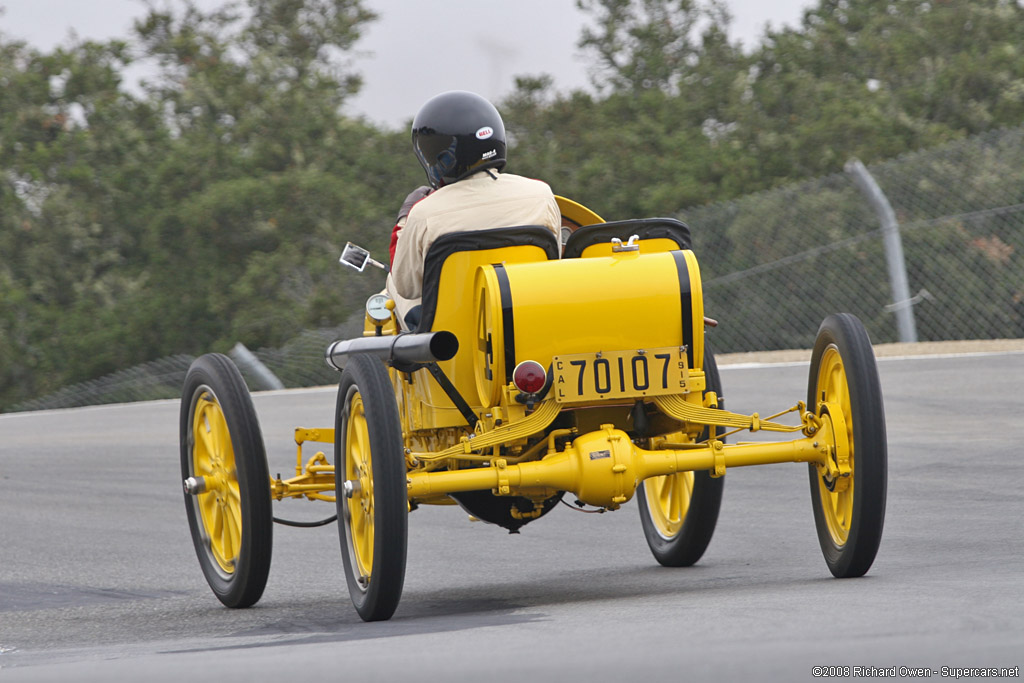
point(457, 133)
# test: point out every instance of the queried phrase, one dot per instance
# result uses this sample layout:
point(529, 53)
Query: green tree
point(651, 44)
point(648, 142)
point(266, 179)
point(71, 148)
point(876, 78)
point(207, 210)
point(683, 116)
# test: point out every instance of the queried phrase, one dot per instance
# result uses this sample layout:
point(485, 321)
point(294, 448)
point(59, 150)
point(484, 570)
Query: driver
point(459, 139)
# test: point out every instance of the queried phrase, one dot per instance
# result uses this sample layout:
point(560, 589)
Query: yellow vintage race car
point(538, 371)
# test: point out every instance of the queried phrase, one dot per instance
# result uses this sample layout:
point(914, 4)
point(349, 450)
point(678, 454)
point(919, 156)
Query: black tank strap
point(452, 393)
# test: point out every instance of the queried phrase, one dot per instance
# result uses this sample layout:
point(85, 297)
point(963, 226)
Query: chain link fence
point(299, 363)
point(161, 378)
point(774, 264)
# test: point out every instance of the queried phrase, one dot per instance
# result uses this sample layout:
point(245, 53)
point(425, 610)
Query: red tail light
point(529, 377)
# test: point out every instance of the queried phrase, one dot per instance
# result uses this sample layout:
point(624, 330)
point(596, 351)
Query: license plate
point(619, 374)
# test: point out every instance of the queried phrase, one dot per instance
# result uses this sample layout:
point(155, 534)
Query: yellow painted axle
point(604, 467)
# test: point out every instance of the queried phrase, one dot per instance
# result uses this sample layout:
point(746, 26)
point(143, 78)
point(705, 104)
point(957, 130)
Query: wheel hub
point(836, 472)
point(835, 476)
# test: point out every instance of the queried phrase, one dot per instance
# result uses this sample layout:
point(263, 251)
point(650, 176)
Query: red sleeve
point(394, 242)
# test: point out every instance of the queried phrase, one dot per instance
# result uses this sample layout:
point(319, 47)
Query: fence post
point(248, 360)
point(902, 304)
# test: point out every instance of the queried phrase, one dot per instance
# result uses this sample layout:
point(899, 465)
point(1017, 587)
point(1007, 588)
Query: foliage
point(205, 210)
point(686, 117)
point(653, 44)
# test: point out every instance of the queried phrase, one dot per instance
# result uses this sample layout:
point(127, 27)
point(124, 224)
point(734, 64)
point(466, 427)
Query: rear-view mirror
point(356, 257)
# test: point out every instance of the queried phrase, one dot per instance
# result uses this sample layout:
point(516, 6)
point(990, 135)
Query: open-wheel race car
point(537, 370)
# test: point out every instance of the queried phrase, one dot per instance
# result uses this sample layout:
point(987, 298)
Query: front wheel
point(845, 393)
point(372, 501)
point(679, 512)
point(227, 484)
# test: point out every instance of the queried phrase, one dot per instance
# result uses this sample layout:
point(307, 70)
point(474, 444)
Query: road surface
point(99, 581)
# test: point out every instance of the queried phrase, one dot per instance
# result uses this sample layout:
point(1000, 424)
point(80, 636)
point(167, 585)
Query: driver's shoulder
point(528, 184)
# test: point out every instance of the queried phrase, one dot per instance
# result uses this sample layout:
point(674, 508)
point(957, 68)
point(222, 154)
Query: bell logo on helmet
point(484, 133)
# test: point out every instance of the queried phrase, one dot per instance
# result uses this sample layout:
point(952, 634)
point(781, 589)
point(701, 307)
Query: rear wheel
point(844, 391)
point(227, 484)
point(372, 501)
point(679, 511)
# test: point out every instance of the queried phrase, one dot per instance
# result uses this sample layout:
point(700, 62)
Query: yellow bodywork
point(612, 310)
point(422, 404)
point(619, 302)
point(575, 213)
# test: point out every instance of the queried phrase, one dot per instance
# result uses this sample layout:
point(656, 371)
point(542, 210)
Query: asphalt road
point(99, 581)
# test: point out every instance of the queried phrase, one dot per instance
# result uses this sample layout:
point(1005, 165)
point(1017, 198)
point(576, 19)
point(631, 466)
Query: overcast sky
point(416, 48)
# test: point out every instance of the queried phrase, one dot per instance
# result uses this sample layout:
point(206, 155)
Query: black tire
point(682, 547)
point(367, 427)
point(849, 515)
point(231, 521)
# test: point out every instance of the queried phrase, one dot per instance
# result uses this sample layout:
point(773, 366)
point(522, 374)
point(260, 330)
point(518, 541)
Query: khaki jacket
point(474, 203)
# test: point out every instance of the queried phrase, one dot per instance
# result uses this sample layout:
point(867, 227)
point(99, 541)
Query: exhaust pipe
point(403, 349)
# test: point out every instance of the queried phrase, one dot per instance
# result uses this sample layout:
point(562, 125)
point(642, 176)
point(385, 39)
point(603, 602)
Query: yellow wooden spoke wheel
point(848, 496)
point(372, 502)
point(836, 491)
point(219, 502)
point(226, 481)
point(679, 512)
point(668, 501)
point(358, 490)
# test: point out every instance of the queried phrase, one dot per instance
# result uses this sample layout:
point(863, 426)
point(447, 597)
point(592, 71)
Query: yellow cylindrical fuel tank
point(626, 301)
